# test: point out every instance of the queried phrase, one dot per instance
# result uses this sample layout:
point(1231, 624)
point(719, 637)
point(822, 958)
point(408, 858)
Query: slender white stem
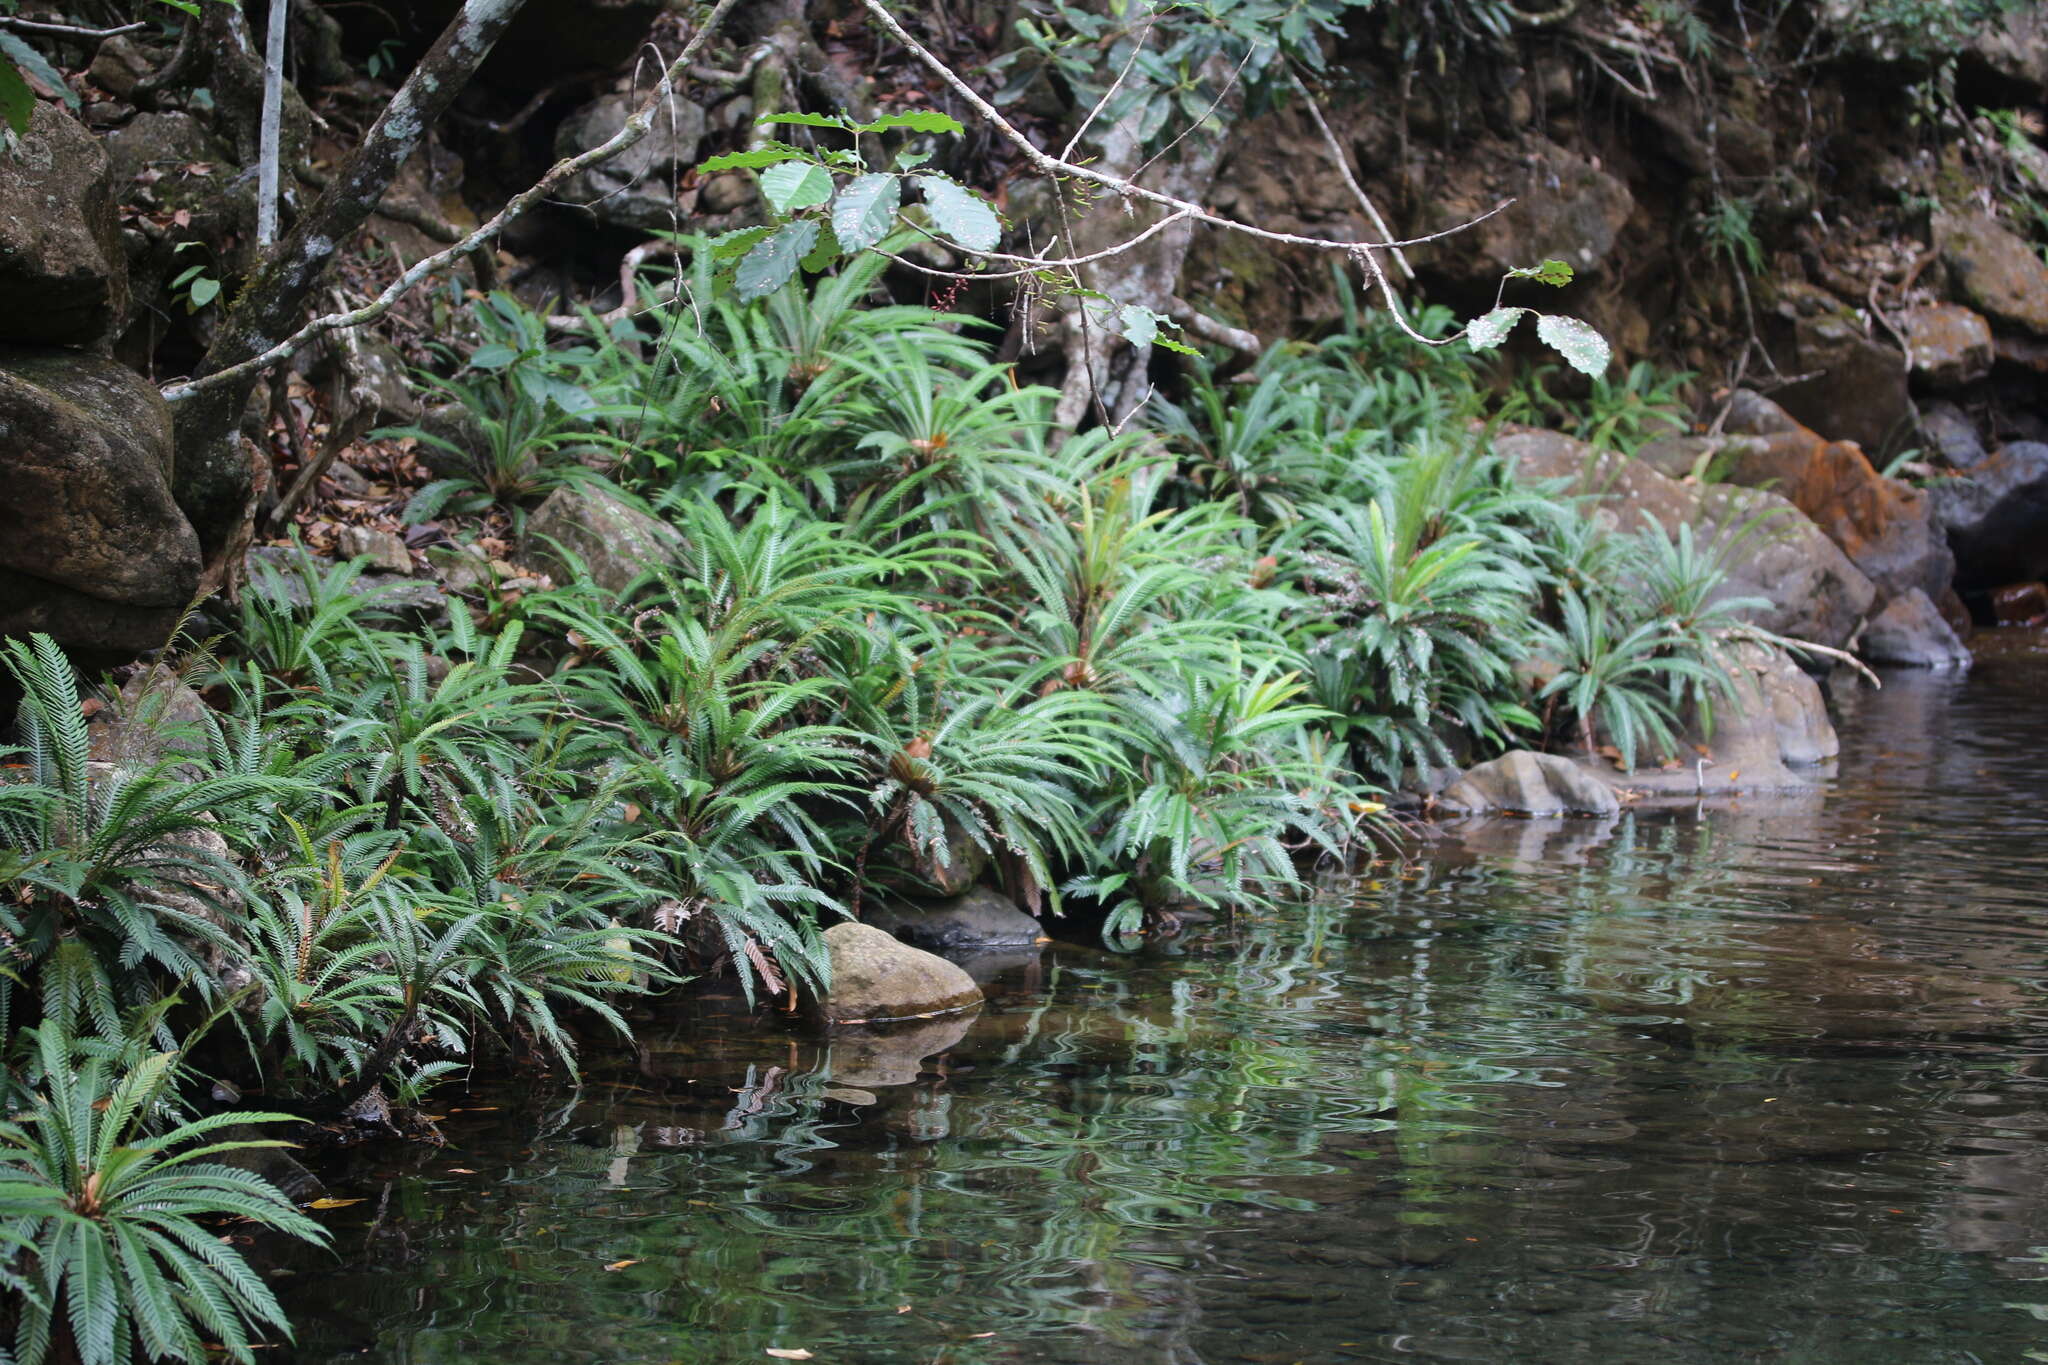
point(270, 135)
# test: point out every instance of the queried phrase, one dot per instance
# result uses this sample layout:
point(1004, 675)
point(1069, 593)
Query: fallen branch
point(67, 30)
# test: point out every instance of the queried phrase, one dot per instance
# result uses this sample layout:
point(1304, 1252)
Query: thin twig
point(1343, 161)
point(67, 30)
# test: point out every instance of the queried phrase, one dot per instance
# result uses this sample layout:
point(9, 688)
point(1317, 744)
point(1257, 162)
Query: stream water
point(1760, 1083)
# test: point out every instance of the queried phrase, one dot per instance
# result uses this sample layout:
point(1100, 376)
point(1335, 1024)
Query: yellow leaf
point(332, 1203)
point(621, 1265)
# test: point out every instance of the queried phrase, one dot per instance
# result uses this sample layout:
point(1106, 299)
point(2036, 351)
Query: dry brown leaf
point(797, 1353)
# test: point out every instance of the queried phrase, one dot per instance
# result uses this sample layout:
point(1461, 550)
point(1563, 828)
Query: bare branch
point(1338, 155)
point(67, 30)
point(636, 127)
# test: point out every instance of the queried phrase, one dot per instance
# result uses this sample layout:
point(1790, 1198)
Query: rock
point(92, 548)
point(120, 65)
point(1996, 517)
point(616, 541)
point(1798, 712)
point(1859, 392)
point(2020, 604)
point(980, 919)
point(385, 550)
point(155, 717)
point(2010, 52)
point(1526, 783)
point(1911, 631)
point(1887, 528)
point(1951, 346)
point(1996, 273)
point(1565, 206)
point(549, 40)
point(63, 272)
point(635, 189)
point(1949, 432)
point(875, 979)
point(461, 568)
point(1815, 592)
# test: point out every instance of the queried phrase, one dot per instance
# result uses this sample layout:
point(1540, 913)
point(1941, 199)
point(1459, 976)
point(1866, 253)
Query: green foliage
point(105, 1227)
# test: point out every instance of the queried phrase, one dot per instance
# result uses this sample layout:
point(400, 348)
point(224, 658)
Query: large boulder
point(1951, 346)
point(2008, 53)
point(1773, 550)
point(1886, 527)
point(1911, 632)
point(1996, 516)
point(63, 275)
point(1948, 432)
point(1525, 783)
point(979, 920)
point(1563, 205)
point(1996, 272)
point(635, 189)
point(615, 541)
point(1858, 389)
point(93, 549)
point(875, 980)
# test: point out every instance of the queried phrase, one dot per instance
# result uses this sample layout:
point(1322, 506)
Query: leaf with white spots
point(792, 185)
point(1485, 333)
point(961, 214)
point(1576, 341)
point(774, 260)
point(865, 208)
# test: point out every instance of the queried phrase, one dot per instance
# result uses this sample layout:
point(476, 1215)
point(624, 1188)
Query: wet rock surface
point(1911, 632)
point(875, 979)
point(1525, 783)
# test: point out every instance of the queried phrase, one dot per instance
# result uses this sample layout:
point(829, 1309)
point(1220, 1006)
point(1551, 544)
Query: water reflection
point(1756, 1083)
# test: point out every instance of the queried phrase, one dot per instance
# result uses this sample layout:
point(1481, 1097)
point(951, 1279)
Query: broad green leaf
point(729, 245)
point(807, 121)
point(916, 120)
point(773, 154)
point(1576, 341)
point(495, 356)
point(864, 210)
point(792, 185)
point(1485, 333)
point(1556, 274)
point(204, 291)
point(31, 61)
point(1140, 325)
point(1168, 343)
point(774, 260)
point(960, 213)
point(825, 252)
point(17, 101)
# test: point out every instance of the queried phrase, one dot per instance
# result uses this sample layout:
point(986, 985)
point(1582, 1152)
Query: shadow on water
point(1757, 1083)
